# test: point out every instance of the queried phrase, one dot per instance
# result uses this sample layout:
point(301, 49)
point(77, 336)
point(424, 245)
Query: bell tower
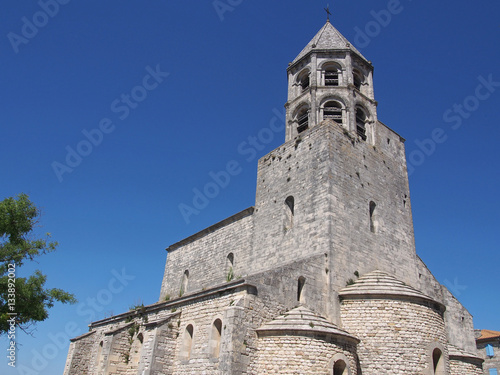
point(330, 79)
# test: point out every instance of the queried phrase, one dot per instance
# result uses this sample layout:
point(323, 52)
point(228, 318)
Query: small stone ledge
point(82, 336)
point(231, 219)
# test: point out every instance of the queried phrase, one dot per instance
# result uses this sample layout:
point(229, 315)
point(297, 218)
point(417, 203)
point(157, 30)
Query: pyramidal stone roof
point(328, 38)
point(301, 319)
point(381, 283)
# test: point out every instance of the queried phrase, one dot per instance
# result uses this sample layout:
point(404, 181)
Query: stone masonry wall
point(69, 358)
point(120, 344)
point(395, 335)
point(300, 354)
point(201, 314)
point(333, 177)
point(279, 287)
point(162, 353)
point(81, 355)
point(119, 357)
point(459, 324)
point(206, 259)
point(464, 367)
point(362, 173)
point(299, 168)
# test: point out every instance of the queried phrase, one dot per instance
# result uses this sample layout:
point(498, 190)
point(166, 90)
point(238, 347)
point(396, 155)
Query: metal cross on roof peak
point(328, 13)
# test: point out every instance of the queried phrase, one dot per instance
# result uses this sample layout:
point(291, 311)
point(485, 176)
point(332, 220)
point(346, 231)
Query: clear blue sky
point(119, 206)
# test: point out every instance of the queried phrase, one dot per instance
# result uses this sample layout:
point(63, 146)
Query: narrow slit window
point(184, 283)
point(215, 337)
point(300, 288)
point(230, 267)
point(187, 342)
point(373, 217)
point(289, 212)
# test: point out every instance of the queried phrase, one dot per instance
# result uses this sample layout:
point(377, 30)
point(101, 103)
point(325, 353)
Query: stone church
point(321, 276)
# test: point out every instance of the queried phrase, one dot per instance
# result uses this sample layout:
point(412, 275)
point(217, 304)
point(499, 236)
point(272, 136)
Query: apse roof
point(305, 320)
point(381, 283)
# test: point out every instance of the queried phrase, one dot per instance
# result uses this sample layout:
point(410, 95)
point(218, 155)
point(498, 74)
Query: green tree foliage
point(18, 217)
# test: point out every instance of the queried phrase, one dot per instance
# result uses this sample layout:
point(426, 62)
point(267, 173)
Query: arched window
point(340, 368)
point(438, 362)
point(300, 288)
point(361, 123)
point(303, 79)
point(289, 212)
point(187, 342)
point(215, 337)
point(302, 119)
point(357, 79)
point(331, 76)
point(229, 267)
point(184, 283)
point(333, 111)
point(373, 217)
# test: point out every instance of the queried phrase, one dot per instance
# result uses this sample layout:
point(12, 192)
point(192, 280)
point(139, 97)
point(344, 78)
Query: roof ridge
point(320, 34)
